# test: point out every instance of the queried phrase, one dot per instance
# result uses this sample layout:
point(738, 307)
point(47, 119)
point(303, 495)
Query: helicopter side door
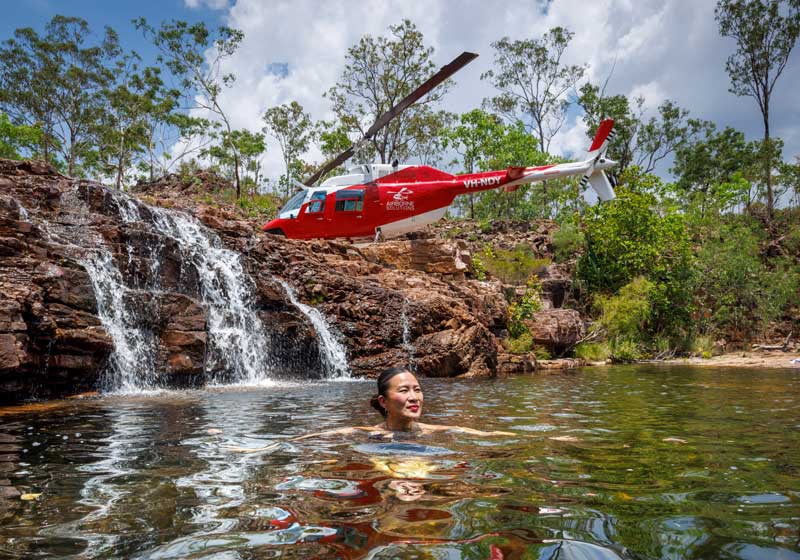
point(348, 212)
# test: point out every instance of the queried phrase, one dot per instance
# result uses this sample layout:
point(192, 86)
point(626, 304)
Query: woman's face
point(403, 398)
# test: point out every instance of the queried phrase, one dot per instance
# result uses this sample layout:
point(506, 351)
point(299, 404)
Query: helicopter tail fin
point(597, 178)
point(603, 137)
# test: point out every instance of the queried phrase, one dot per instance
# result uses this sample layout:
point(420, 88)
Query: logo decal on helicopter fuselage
point(402, 194)
point(400, 201)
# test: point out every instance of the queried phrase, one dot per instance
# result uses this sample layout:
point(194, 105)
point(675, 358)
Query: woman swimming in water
point(399, 401)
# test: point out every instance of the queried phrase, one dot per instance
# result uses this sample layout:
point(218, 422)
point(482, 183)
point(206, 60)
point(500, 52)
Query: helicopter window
point(294, 203)
point(349, 201)
point(317, 202)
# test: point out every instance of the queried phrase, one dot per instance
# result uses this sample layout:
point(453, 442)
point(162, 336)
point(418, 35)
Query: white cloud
point(659, 50)
point(213, 4)
point(652, 93)
point(572, 141)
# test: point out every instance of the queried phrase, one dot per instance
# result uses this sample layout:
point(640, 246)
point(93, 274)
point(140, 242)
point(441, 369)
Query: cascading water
point(333, 353)
point(132, 364)
point(23, 213)
point(236, 335)
point(408, 345)
point(127, 291)
point(237, 349)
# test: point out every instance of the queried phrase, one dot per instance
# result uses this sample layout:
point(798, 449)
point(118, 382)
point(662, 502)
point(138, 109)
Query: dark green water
point(628, 462)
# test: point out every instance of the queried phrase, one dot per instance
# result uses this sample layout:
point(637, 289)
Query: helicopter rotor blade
point(444, 73)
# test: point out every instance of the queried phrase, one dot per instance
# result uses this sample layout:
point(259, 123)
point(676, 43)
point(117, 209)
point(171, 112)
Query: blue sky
point(99, 13)
point(295, 50)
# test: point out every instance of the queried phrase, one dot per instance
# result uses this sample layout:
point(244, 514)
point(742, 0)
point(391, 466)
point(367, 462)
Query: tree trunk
point(236, 175)
point(119, 173)
point(71, 158)
point(768, 167)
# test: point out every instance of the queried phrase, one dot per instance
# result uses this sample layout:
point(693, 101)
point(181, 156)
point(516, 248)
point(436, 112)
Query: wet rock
point(515, 364)
point(10, 351)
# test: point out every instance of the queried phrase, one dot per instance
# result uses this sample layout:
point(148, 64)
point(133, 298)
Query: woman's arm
point(338, 431)
point(443, 428)
point(479, 432)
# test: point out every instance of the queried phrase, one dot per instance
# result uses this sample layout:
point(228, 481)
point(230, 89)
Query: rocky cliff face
point(408, 301)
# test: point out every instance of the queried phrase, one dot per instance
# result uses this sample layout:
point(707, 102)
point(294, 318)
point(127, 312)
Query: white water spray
point(237, 346)
point(23, 213)
point(408, 345)
point(132, 364)
point(333, 353)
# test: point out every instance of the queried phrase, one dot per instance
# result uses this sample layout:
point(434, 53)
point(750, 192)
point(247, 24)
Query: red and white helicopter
point(383, 200)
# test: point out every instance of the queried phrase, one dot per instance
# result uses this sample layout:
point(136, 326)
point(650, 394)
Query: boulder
point(556, 329)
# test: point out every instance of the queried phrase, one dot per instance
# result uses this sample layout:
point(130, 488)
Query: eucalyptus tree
point(428, 133)
point(136, 103)
point(765, 32)
point(473, 139)
point(714, 170)
point(56, 81)
point(249, 148)
point(18, 141)
point(534, 82)
point(638, 140)
point(294, 131)
point(195, 55)
point(379, 72)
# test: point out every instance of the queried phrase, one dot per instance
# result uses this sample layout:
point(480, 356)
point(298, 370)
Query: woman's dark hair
point(383, 386)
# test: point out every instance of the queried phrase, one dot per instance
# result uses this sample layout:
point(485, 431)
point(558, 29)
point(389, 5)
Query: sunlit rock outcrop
point(412, 301)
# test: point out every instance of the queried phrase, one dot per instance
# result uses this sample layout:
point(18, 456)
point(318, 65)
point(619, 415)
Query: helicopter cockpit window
point(317, 202)
point(349, 201)
point(294, 203)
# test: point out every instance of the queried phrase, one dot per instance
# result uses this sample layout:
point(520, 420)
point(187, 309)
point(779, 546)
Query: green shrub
point(513, 266)
point(478, 268)
point(626, 315)
point(541, 353)
point(568, 241)
point(628, 237)
point(702, 346)
point(521, 344)
point(524, 308)
point(258, 205)
point(453, 232)
point(593, 351)
point(625, 349)
point(739, 293)
point(624, 319)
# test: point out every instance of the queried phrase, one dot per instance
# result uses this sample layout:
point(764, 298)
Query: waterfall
point(236, 335)
point(127, 283)
point(237, 349)
point(333, 353)
point(23, 213)
point(132, 364)
point(408, 346)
